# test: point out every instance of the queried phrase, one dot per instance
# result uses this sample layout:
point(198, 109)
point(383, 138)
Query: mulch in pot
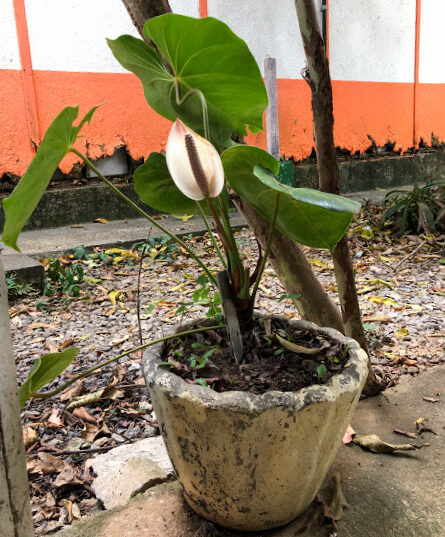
point(268, 364)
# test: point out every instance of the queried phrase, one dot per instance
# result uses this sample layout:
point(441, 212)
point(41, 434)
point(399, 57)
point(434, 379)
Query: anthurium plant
point(204, 79)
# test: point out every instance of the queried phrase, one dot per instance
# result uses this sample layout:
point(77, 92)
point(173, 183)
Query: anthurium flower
point(193, 163)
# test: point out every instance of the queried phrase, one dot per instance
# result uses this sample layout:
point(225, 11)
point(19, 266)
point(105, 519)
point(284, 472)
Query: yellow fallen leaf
point(178, 287)
point(114, 295)
point(384, 258)
point(377, 319)
point(401, 332)
point(101, 220)
point(381, 282)
point(183, 217)
point(115, 251)
point(419, 421)
point(318, 263)
point(382, 300)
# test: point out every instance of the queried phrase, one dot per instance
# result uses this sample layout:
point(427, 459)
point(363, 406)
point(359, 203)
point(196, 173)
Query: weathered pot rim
point(346, 381)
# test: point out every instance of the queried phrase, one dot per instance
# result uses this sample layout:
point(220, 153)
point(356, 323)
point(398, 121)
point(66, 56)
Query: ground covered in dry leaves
point(402, 301)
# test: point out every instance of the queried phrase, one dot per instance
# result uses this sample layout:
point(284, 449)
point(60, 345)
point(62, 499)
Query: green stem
point(266, 253)
point(205, 115)
point(212, 235)
point(88, 372)
point(144, 214)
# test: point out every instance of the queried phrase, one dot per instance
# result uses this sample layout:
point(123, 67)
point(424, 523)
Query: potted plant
point(253, 411)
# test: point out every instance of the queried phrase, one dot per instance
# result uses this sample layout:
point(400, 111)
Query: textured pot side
point(253, 462)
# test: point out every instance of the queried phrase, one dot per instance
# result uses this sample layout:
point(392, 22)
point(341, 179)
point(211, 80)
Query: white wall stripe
point(70, 35)
point(432, 42)
point(9, 50)
point(372, 40)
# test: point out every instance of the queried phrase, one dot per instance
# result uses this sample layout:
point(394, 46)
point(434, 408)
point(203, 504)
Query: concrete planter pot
point(247, 461)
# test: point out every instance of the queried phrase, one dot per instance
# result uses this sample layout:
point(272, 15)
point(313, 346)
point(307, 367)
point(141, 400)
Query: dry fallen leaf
point(373, 443)
point(54, 419)
point(44, 463)
point(67, 343)
point(293, 347)
point(431, 399)
point(83, 414)
point(348, 436)
point(90, 398)
point(29, 436)
point(101, 220)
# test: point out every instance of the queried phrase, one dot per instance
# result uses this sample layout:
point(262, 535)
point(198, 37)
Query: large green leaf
point(305, 215)
point(58, 140)
point(44, 370)
point(156, 188)
point(202, 54)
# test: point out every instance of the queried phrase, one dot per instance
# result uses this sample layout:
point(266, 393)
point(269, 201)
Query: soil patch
point(277, 356)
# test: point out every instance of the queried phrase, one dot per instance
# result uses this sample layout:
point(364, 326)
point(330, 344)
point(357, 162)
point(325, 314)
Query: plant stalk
point(212, 235)
point(88, 372)
point(266, 253)
point(144, 214)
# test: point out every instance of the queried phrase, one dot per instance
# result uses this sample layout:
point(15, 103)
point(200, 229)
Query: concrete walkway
point(399, 495)
point(40, 243)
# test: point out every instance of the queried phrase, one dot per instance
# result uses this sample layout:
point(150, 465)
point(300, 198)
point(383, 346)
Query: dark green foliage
point(16, 288)
point(420, 210)
point(67, 279)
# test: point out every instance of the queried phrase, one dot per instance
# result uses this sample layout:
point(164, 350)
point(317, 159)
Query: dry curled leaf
point(373, 443)
point(349, 435)
point(293, 347)
point(90, 398)
point(29, 436)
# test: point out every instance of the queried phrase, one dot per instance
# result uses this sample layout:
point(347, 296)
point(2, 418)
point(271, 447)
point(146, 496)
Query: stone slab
point(26, 269)
point(152, 448)
point(117, 485)
point(389, 495)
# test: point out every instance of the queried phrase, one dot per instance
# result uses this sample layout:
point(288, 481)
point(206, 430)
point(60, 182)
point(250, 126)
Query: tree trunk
point(15, 509)
point(321, 90)
point(142, 10)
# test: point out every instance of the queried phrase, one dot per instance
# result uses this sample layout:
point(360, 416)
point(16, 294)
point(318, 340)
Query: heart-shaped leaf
point(44, 370)
point(59, 138)
point(310, 217)
point(202, 54)
point(156, 188)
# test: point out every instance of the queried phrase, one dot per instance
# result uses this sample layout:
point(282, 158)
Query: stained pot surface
point(249, 461)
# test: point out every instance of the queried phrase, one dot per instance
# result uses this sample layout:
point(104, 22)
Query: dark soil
point(205, 358)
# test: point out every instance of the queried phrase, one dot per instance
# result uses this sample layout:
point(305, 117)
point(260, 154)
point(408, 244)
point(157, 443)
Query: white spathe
point(178, 163)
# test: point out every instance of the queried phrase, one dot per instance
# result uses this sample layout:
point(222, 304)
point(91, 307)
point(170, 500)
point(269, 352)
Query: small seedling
point(321, 370)
point(15, 288)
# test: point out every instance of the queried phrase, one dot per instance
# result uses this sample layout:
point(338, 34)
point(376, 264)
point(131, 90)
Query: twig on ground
point(86, 451)
point(397, 265)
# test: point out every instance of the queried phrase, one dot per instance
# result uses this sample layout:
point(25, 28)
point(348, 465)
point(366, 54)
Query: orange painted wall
point(15, 147)
point(382, 110)
point(430, 112)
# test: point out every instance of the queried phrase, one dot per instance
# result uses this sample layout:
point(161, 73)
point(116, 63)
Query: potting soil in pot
point(277, 356)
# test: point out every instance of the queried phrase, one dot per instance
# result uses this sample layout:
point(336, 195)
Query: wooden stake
point(270, 80)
